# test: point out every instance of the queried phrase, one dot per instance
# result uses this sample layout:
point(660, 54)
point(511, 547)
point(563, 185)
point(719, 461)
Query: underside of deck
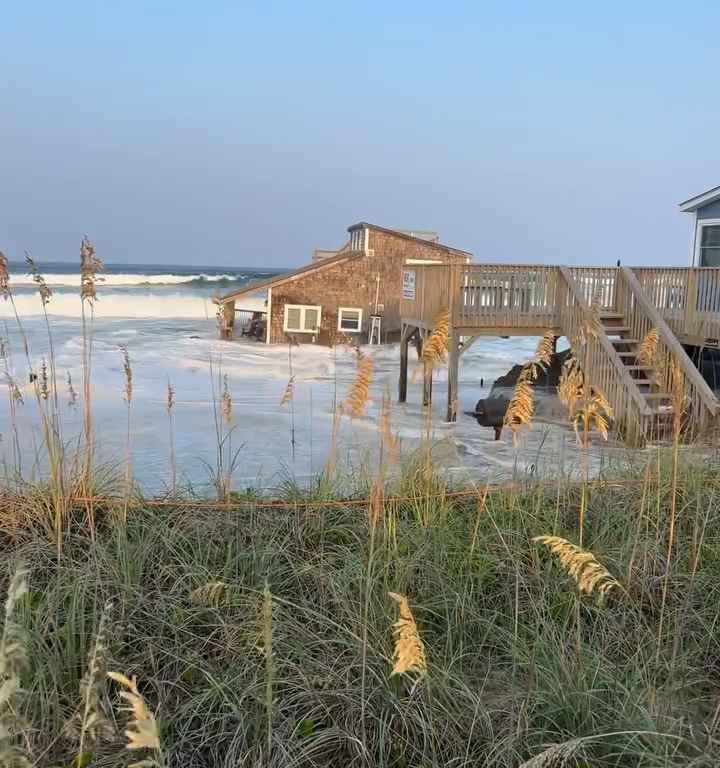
point(623, 307)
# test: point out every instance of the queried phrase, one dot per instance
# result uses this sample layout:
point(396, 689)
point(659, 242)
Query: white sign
point(408, 284)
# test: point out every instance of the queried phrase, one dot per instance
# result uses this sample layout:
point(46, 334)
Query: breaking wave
point(128, 278)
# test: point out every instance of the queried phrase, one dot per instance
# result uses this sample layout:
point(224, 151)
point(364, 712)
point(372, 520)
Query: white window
point(300, 318)
point(357, 239)
point(350, 319)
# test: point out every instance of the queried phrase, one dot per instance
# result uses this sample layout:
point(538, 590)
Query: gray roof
point(700, 201)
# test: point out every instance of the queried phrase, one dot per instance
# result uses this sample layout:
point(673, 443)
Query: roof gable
point(405, 235)
point(700, 201)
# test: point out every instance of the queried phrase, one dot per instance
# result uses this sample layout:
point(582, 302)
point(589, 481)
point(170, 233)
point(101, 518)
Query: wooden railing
point(485, 295)
point(596, 284)
point(700, 406)
point(688, 299)
point(507, 296)
point(599, 359)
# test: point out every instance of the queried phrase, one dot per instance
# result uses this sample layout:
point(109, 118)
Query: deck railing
point(699, 404)
point(688, 299)
point(598, 358)
point(484, 295)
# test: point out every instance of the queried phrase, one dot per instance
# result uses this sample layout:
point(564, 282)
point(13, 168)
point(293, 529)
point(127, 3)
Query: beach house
point(350, 293)
point(705, 209)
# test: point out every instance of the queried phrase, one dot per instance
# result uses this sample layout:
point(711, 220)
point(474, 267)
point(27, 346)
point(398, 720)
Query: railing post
point(691, 302)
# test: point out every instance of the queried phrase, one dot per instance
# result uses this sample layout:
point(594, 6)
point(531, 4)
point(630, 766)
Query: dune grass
point(249, 630)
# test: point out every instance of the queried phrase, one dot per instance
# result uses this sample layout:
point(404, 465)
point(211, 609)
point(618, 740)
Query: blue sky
point(232, 133)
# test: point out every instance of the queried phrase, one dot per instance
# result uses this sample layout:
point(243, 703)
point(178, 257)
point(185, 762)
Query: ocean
point(165, 318)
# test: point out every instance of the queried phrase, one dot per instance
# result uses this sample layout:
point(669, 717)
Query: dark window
point(710, 245)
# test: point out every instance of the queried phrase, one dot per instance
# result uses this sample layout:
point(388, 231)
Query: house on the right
point(705, 209)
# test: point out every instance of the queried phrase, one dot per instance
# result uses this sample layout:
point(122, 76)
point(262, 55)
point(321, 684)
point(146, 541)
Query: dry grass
point(570, 386)
point(90, 265)
point(521, 407)
point(226, 405)
point(359, 393)
point(4, 277)
point(13, 659)
point(142, 731)
point(581, 564)
point(436, 344)
point(555, 756)
point(288, 392)
point(409, 652)
point(647, 349)
point(211, 593)
point(91, 725)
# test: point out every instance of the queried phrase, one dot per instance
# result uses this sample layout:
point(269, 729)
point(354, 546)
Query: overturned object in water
point(490, 411)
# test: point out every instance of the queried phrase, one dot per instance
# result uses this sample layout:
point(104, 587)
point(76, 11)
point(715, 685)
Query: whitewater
point(165, 318)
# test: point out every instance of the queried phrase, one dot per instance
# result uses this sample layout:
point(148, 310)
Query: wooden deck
point(683, 305)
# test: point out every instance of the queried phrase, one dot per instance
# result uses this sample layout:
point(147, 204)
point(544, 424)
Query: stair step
point(616, 329)
point(611, 315)
point(636, 367)
point(627, 354)
point(657, 395)
point(623, 341)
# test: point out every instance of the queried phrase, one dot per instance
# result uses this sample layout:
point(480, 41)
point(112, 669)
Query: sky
point(248, 134)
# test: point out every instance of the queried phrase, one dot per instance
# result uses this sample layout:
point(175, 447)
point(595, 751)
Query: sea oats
point(582, 565)
point(142, 731)
point(359, 393)
point(520, 409)
point(436, 345)
point(170, 401)
point(91, 725)
point(90, 265)
point(226, 402)
point(289, 391)
point(409, 652)
point(209, 594)
point(127, 370)
point(647, 349)
point(72, 394)
point(39, 280)
point(4, 276)
point(13, 659)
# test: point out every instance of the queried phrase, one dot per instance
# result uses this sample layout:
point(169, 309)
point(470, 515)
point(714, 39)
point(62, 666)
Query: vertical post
point(228, 313)
point(453, 369)
point(427, 374)
point(691, 302)
point(404, 343)
point(427, 384)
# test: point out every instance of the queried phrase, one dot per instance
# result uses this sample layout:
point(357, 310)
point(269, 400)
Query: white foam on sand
point(111, 305)
point(186, 352)
point(56, 280)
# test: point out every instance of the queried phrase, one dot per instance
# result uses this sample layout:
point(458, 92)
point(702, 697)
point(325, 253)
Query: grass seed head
point(142, 731)
point(581, 565)
point(409, 652)
point(39, 280)
point(436, 345)
point(521, 407)
point(90, 265)
point(4, 277)
point(289, 392)
point(210, 594)
point(359, 393)
point(127, 370)
point(647, 349)
point(170, 402)
point(72, 394)
point(226, 402)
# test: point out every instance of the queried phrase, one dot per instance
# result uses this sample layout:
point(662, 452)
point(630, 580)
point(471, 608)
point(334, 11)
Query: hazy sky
point(232, 133)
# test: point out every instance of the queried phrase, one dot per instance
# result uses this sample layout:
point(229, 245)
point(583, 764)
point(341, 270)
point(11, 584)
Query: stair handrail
point(611, 353)
point(670, 340)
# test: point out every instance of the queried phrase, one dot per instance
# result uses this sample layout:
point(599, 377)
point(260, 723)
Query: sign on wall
point(408, 284)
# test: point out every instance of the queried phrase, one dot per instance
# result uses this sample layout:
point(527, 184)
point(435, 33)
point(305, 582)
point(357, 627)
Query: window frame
point(303, 310)
point(701, 224)
point(360, 319)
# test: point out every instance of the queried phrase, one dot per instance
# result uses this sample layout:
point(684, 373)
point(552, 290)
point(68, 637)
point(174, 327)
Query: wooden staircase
point(640, 394)
point(645, 377)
